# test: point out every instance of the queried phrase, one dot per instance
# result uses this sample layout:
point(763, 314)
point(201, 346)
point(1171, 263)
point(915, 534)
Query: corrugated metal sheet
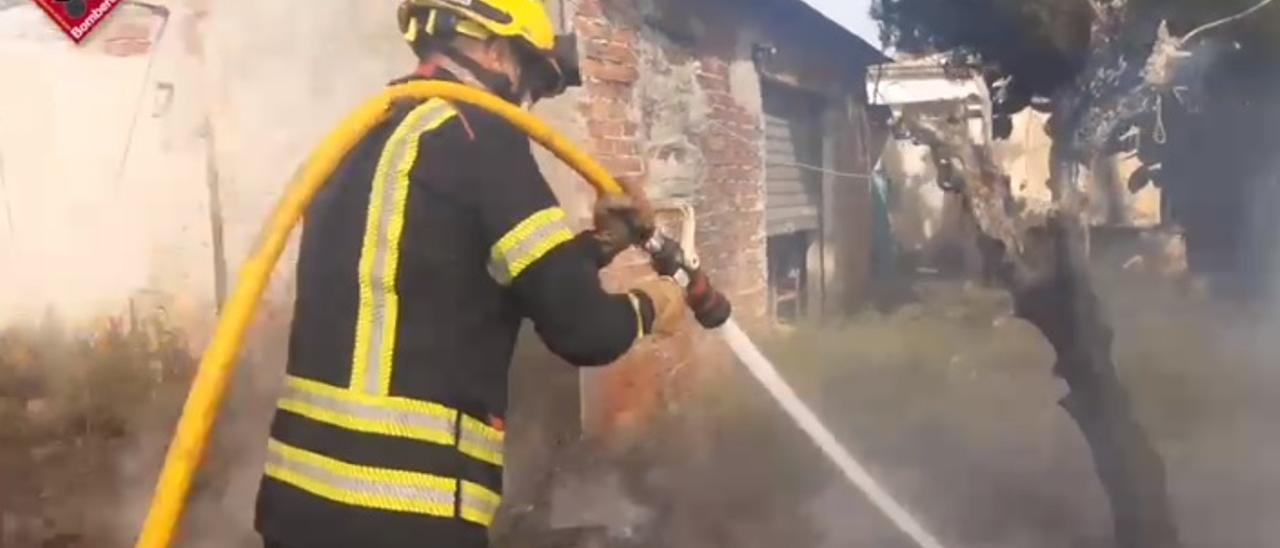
point(793, 138)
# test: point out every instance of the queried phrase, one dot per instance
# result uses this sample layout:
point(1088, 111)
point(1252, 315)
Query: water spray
point(764, 371)
point(712, 310)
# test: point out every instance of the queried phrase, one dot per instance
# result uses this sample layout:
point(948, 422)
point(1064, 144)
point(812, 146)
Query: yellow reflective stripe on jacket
point(477, 504)
point(480, 441)
point(364, 486)
point(393, 416)
point(386, 415)
point(528, 242)
point(380, 254)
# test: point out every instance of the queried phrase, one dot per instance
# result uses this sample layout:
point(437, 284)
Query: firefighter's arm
point(553, 274)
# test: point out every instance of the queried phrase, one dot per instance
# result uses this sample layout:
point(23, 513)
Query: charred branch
point(1126, 69)
point(1066, 309)
point(985, 184)
point(1226, 21)
point(1065, 306)
point(1046, 266)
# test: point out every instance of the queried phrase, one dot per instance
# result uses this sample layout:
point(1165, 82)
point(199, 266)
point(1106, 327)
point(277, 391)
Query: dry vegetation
point(949, 400)
point(73, 408)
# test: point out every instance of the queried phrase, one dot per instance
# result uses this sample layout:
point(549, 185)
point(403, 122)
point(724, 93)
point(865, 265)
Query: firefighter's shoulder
point(488, 128)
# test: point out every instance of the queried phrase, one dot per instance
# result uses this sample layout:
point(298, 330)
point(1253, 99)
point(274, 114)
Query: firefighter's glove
point(667, 302)
point(621, 222)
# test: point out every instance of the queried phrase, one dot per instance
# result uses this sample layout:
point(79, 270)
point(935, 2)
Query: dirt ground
point(949, 401)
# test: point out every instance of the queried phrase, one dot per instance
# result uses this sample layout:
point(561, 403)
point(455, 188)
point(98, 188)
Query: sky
point(852, 14)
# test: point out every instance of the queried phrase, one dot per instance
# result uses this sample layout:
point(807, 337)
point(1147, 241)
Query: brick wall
point(634, 135)
point(672, 104)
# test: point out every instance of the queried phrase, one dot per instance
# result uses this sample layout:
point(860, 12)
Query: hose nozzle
point(709, 306)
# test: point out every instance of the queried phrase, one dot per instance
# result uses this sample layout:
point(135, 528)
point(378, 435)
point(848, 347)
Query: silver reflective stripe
point(397, 160)
point(365, 486)
point(478, 504)
point(469, 437)
point(419, 420)
point(480, 441)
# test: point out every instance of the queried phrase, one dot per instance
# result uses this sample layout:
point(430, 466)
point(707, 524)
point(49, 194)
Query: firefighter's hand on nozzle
point(621, 222)
point(669, 307)
point(667, 257)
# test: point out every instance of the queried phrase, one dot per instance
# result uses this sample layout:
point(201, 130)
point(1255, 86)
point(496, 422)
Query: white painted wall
point(102, 176)
point(103, 188)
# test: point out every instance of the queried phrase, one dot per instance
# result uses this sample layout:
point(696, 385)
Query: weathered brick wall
point(672, 104)
point(661, 116)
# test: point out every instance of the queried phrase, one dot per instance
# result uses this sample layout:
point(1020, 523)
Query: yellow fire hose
point(218, 363)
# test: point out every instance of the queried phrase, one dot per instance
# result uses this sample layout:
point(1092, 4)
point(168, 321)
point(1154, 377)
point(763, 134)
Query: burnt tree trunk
point(1062, 303)
point(1059, 297)
point(1045, 263)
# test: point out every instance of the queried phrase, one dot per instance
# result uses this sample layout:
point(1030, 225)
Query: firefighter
point(419, 260)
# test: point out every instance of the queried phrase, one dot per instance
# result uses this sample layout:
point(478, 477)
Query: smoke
point(950, 401)
point(1203, 374)
point(952, 404)
point(82, 403)
point(1265, 229)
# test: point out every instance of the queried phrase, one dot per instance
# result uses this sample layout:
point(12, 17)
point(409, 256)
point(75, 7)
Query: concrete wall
point(280, 78)
point(102, 169)
point(145, 161)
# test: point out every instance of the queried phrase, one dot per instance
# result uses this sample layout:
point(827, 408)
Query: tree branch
point(1226, 20)
point(1108, 12)
point(1099, 9)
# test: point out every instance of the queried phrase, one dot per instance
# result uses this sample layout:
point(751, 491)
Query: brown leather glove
point(621, 222)
point(669, 307)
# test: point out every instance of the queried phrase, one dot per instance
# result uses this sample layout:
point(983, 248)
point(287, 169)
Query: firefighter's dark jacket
point(435, 238)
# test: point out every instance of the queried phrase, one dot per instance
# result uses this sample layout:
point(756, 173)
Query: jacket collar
point(443, 68)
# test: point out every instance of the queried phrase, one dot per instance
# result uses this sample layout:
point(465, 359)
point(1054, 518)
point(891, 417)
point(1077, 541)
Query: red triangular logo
point(77, 18)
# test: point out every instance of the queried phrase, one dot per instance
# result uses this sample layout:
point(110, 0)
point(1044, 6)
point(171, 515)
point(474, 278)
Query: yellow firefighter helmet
point(524, 21)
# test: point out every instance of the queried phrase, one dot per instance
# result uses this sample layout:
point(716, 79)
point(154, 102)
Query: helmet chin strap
point(473, 74)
